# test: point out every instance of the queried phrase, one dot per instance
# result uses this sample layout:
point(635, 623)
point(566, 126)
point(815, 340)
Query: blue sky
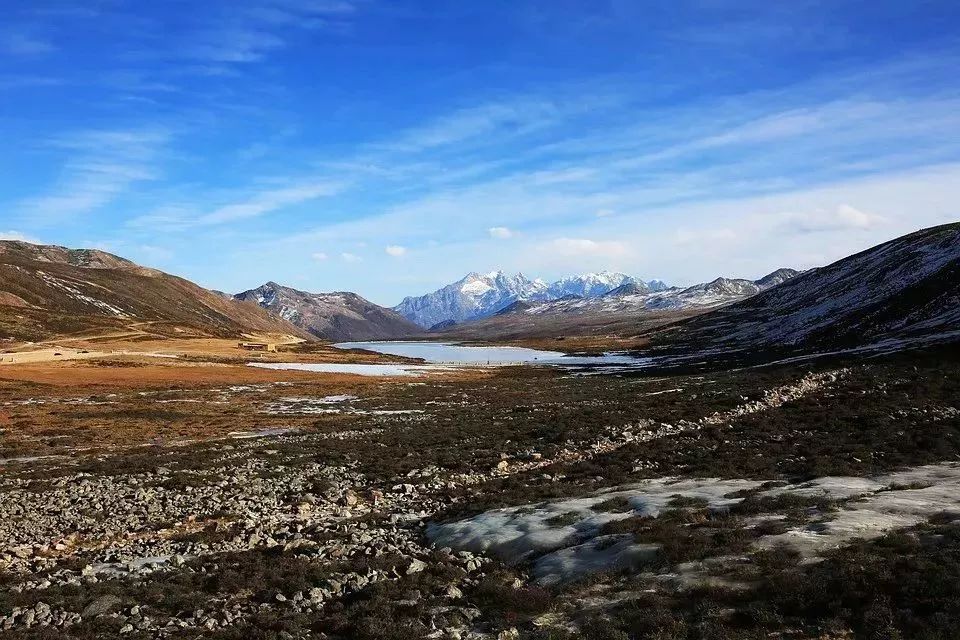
point(389, 147)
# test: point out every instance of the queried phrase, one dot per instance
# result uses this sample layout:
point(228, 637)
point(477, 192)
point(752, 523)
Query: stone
point(101, 606)
point(416, 566)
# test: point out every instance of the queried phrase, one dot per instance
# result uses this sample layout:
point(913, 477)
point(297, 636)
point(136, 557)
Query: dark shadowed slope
point(47, 291)
point(905, 289)
point(331, 316)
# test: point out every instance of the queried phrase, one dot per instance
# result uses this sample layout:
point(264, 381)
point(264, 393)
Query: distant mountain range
point(633, 298)
point(479, 296)
point(482, 295)
point(900, 292)
point(629, 309)
point(338, 316)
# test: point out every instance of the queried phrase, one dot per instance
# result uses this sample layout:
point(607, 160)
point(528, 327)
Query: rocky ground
point(796, 501)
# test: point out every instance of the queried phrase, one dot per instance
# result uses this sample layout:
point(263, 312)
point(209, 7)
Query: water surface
point(459, 354)
point(375, 370)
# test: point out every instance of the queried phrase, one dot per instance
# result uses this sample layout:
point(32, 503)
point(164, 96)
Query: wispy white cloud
point(396, 251)
point(20, 81)
point(254, 30)
point(584, 247)
point(234, 207)
point(509, 116)
point(500, 233)
point(17, 43)
point(153, 253)
point(319, 256)
point(100, 165)
point(693, 238)
point(840, 218)
point(350, 257)
point(19, 236)
point(234, 45)
point(270, 200)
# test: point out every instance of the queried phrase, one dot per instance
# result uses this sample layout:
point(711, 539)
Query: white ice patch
point(75, 293)
point(603, 553)
point(373, 370)
point(882, 504)
point(306, 406)
point(518, 533)
point(569, 547)
point(262, 433)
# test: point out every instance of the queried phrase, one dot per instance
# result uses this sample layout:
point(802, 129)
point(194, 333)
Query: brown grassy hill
point(49, 291)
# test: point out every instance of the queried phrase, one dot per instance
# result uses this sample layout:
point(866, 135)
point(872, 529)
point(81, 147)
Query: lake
point(459, 354)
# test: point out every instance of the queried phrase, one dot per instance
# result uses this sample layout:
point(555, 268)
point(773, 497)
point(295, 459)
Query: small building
point(259, 346)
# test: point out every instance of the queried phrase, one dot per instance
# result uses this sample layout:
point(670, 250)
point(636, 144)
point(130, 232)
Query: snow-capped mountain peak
point(589, 285)
point(657, 285)
point(479, 295)
point(636, 296)
point(475, 284)
point(476, 295)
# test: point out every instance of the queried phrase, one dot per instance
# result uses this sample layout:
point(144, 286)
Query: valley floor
point(202, 498)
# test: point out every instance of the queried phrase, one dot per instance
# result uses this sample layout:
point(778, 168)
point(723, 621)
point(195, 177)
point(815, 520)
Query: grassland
point(201, 498)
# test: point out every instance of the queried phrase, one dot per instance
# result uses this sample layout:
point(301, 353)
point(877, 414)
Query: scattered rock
point(101, 606)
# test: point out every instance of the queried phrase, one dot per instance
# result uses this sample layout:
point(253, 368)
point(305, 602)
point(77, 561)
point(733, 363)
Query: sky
point(389, 147)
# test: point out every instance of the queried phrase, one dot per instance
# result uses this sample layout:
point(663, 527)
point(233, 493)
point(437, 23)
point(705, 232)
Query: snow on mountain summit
point(481, 295)
point(474, 296)
point(589, 285)
point(636, 296)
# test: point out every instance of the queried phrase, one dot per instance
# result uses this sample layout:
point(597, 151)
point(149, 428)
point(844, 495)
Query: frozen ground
point(561, 538)
point(375, 370)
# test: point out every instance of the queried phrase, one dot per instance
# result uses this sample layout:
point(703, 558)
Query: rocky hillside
point(47, 291)
point(337, 316)
point(907, 289)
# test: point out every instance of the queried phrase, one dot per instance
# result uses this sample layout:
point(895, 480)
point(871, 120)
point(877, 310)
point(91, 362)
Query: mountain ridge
point(627, 310)
point(49, 290)
point(478, 295)
point(335, 316)
point(906, 289)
